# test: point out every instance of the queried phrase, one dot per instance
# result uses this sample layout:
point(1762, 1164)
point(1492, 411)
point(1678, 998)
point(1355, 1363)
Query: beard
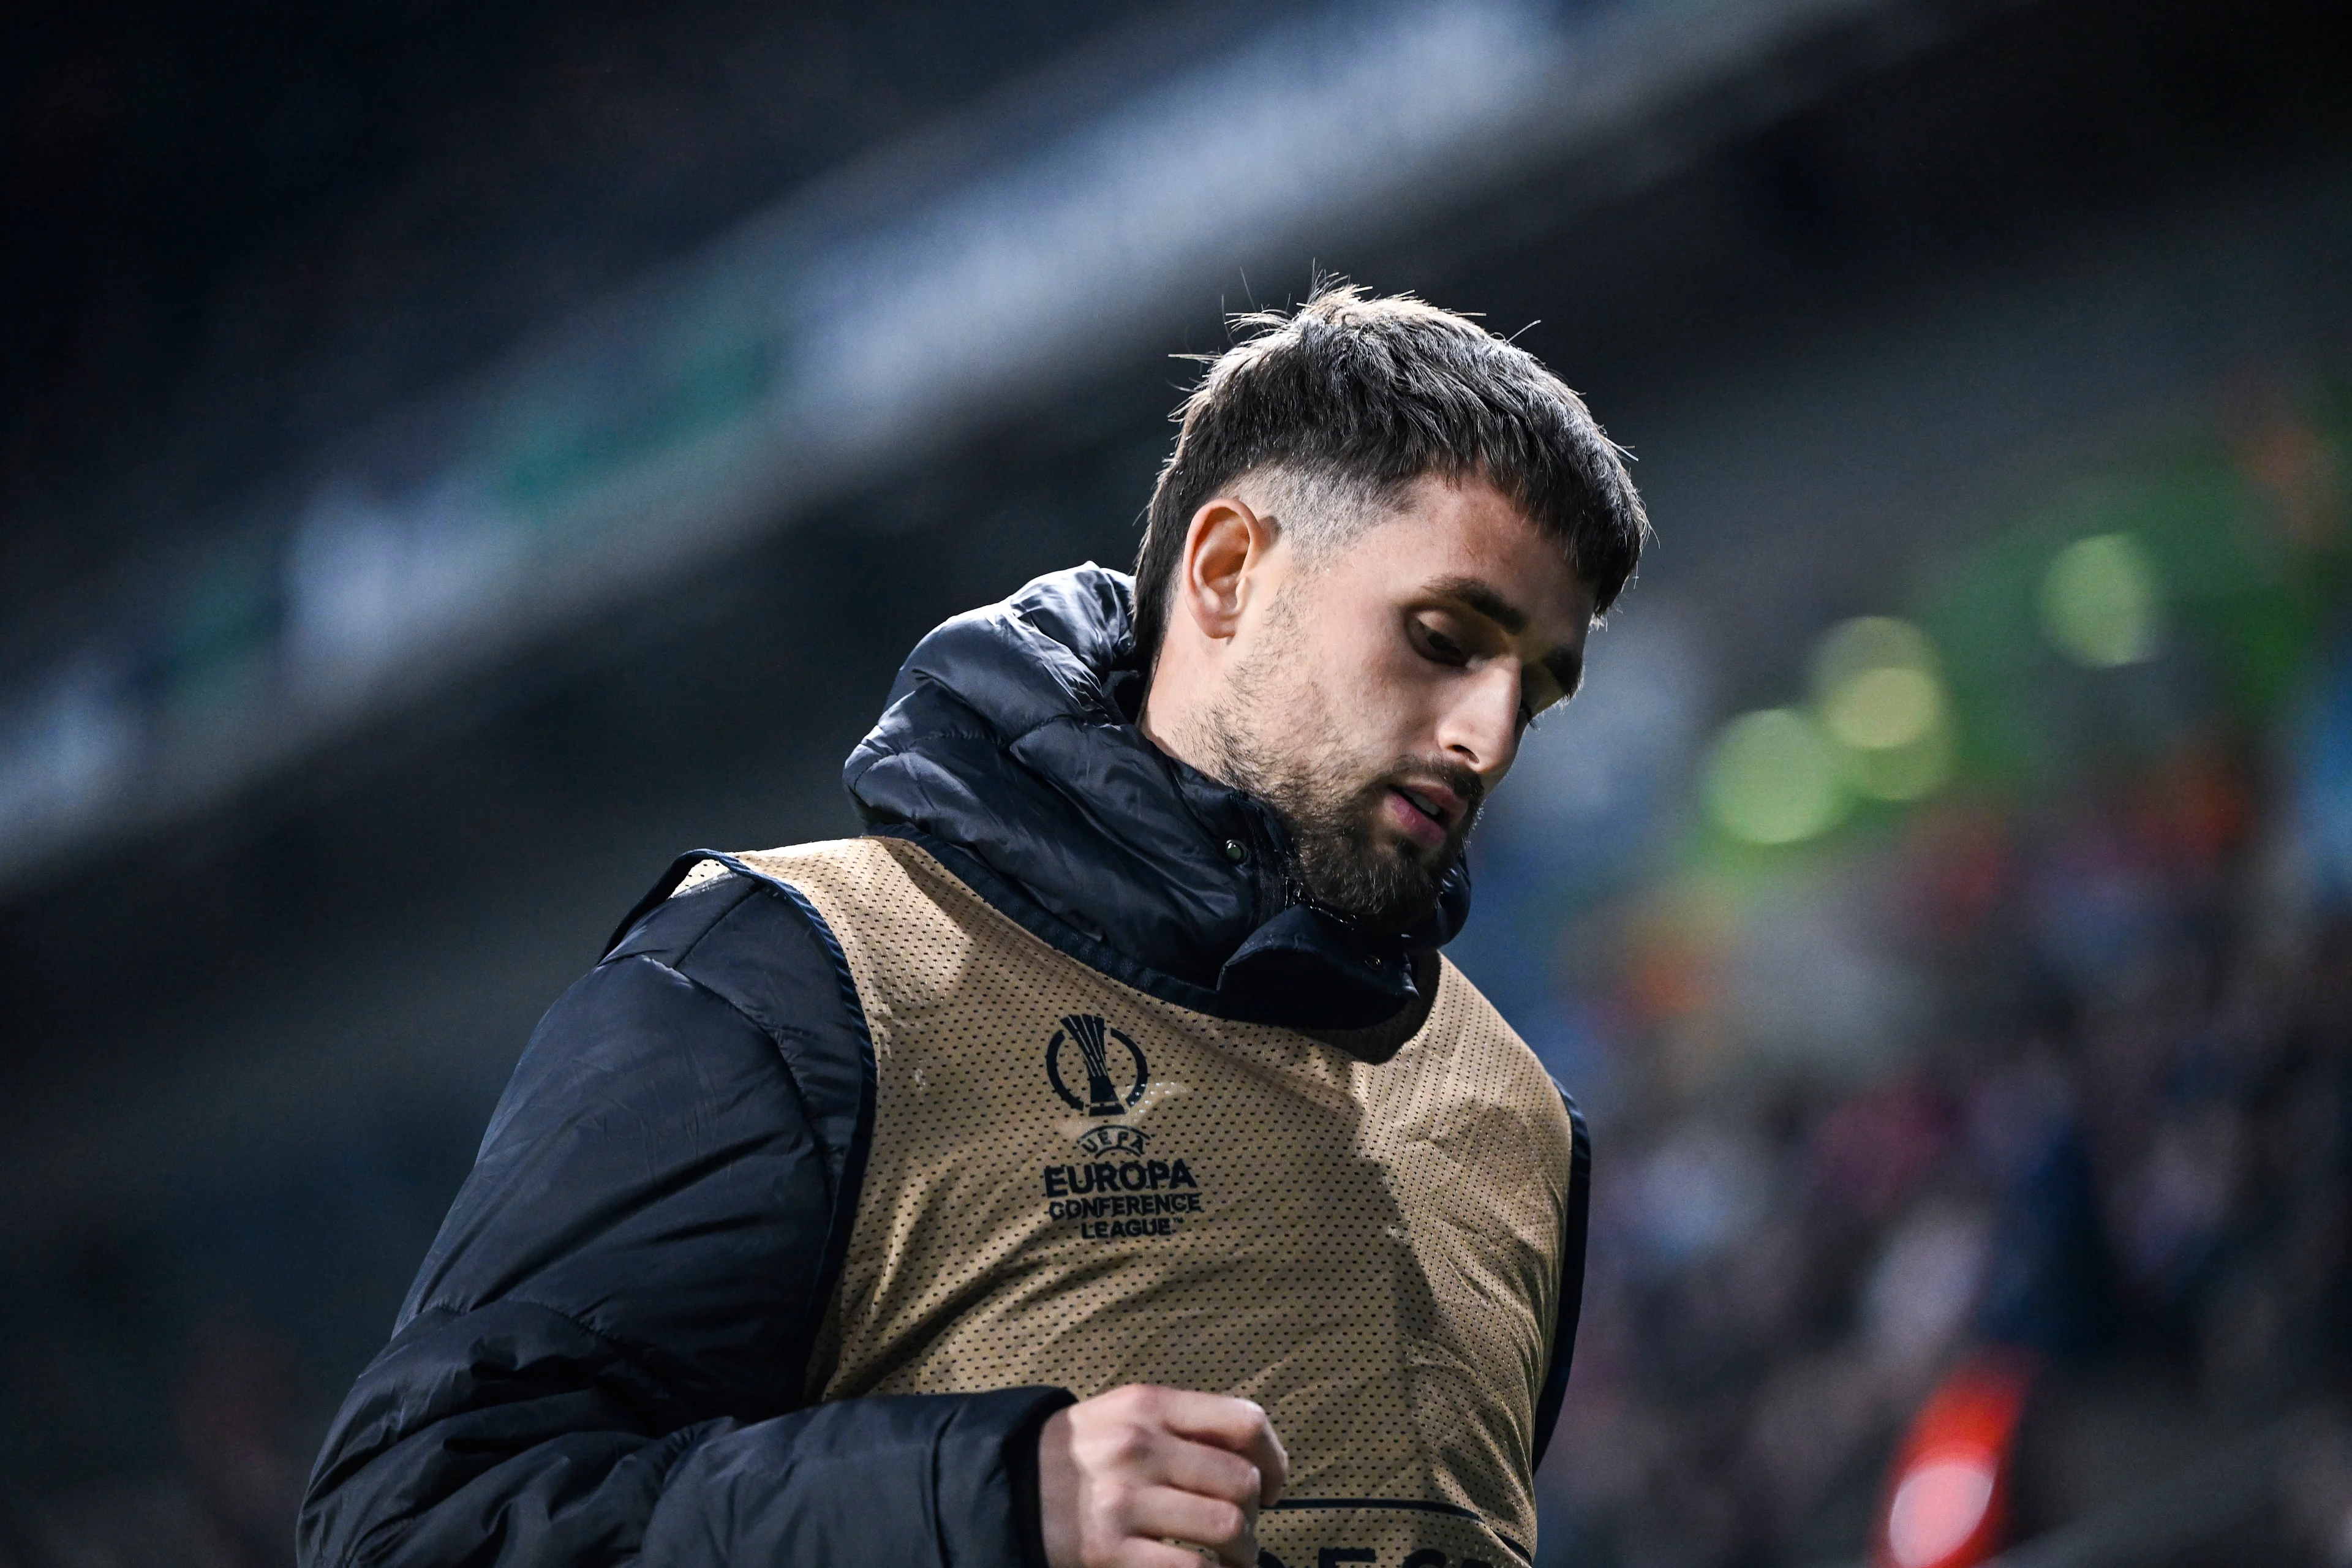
point(1277, 736)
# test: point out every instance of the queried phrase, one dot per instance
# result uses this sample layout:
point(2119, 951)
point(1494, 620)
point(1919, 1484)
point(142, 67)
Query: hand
point(1121, 1475)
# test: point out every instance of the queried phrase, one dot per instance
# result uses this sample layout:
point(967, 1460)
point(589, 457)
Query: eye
point(1437, 646)
point(1533, 713)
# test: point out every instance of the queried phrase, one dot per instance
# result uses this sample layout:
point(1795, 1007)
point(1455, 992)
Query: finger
point(1238, 1426)
point(1164, 1513)
point(1210, 1471)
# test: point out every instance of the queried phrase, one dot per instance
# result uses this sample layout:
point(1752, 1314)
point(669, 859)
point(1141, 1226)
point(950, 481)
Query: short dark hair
point(1354, 393)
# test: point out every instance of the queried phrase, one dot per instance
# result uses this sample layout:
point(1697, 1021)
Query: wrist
point(1025, 1469)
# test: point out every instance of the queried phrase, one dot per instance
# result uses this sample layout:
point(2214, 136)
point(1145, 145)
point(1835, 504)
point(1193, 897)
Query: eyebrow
point(1566, 665)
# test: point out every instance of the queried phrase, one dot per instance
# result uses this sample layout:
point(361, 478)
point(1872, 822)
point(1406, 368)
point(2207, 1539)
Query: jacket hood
point(1011, 738)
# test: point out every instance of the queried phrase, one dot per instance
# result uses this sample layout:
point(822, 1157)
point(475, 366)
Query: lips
point(1427, 806)
point(1425, 813)
point(1434, 800)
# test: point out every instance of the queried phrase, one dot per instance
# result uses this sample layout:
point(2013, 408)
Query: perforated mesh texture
point(1371, 1252)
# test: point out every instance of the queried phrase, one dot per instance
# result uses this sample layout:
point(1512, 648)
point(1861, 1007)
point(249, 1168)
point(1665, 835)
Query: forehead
point(1458, 530)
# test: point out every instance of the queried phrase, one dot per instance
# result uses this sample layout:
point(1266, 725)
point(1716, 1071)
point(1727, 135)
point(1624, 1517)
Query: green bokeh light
point(1885, 708)
point(2101, 604)
point(1774, 778)
point(1919, 768)
point(1879, 689)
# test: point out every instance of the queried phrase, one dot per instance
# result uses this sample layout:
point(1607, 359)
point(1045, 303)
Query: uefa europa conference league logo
point(1094, 1037)
point(1119, 1192)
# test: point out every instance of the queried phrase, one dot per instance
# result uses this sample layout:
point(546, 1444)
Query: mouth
point(1426, 813)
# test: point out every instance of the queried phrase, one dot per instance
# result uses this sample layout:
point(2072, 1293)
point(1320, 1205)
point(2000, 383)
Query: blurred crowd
point(2117, 1155)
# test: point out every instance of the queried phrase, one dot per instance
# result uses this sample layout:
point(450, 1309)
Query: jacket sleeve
point(604, 1355)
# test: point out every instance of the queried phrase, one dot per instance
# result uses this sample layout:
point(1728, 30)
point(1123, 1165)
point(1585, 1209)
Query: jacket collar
point(1009, 737)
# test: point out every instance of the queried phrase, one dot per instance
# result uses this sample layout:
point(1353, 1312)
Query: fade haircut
point(1335, 409)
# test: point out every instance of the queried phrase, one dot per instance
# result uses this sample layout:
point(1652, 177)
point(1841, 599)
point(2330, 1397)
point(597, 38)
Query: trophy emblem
point(1095, 1040)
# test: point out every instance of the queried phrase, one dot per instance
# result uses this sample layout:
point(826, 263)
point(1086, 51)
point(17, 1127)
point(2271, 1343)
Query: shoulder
point(904, 928)
point(754, 932)
point(704, 888)
point(835, 881)
point(1462, 1010)
point(750, 936)
point(877, 918)
point(1494, 1066)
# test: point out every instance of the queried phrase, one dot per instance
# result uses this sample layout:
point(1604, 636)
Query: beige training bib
point(1073, 1183)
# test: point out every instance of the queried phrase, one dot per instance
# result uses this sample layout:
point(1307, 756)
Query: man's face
point(1384, 687)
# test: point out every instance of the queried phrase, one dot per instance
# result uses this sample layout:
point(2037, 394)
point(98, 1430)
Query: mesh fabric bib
point(1071, 1182)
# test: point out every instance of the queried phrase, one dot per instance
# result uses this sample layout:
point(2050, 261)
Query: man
point(1095, 1164)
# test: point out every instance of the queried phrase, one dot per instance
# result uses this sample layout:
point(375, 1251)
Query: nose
point(1480, 727)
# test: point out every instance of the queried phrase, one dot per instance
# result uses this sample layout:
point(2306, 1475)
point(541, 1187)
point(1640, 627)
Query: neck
point(1173, 725)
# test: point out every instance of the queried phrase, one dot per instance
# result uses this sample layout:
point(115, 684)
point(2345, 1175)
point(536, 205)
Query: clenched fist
point(1123, 1474)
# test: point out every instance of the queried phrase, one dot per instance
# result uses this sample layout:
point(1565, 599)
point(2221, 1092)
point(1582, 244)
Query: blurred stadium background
point(453, 459)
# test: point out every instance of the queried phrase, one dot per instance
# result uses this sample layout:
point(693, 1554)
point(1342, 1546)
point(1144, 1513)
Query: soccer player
point(1096, 1163)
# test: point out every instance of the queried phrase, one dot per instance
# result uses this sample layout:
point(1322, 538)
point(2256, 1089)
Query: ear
point(1223, 549)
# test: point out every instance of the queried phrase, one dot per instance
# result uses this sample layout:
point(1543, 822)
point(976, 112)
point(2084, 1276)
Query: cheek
point(1381, 697)
point(1393, 697)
